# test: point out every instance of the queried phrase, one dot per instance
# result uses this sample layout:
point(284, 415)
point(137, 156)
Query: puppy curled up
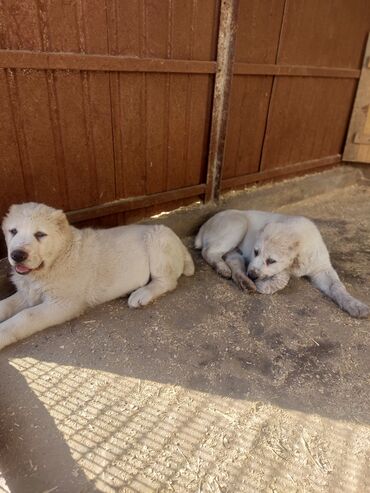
point(275, 247)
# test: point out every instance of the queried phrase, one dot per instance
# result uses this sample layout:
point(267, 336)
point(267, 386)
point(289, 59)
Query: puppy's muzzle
point(252, 274)
point(19, 256)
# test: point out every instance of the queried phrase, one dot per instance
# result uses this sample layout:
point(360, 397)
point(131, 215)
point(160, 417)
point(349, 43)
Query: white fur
point(233, 238)
point(74, 269)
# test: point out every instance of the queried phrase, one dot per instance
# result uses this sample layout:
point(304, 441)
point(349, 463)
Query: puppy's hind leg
point(166, 263)
point(213, 256)
point(329, 283)
point(221, 235)
point(236, 262)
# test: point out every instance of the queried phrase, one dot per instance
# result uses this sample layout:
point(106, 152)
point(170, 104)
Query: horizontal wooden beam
point(239, 181)
point(22, 59)
point(132, 203)
point(294, 70)
point(110, 63)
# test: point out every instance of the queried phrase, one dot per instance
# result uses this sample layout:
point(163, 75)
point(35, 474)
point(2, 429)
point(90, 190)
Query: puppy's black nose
point(253, 275)
point(19, 255)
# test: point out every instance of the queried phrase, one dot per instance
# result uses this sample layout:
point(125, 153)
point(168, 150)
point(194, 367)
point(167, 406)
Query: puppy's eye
point(270, 261)
point(13, 231)
point(256, 252)
point(39, 234)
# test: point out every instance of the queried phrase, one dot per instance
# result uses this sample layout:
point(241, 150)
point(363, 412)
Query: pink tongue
point(22, 268)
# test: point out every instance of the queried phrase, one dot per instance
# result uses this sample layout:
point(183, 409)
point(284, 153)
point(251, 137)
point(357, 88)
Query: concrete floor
point(208, 390)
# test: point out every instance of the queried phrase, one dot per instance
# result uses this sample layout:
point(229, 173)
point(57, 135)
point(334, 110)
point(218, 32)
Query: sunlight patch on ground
point(127, 434)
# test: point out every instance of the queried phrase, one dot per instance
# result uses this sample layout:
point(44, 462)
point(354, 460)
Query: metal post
point(221, 96)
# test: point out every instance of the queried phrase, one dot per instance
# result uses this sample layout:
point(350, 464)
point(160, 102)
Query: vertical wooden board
point(12, 184)
point(249, 104)
point(193, 27)
point(180, 94)
point(19, 26)
point(156, 132)
point(307, 120)
point(127, 37)
point(125, 27)
point(92, 28)
point(131, 128)
point(259, 24)
point(42, 166)
point(201, 87)
point(99, 119)
point(61, 19)
point(81, 180)
point(83, 100)
point(92, 22)
point(181, 35)
point(331, 33)
point(206, 16)
point(358, 137)
point(157, 28)
point(178, 129)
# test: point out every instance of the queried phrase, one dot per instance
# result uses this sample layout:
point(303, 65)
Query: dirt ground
point(208, 390)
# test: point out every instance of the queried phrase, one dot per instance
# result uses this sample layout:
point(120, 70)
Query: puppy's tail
point(329, 283)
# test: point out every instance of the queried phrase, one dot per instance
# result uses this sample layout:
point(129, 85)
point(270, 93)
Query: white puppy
point(275, 247)
point(59, 270)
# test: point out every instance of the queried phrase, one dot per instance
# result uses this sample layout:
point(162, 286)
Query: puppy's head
point(35, 235)
point(274, 251)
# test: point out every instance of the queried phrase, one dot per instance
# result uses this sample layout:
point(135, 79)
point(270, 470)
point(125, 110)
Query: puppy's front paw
point(140, 297)
point(243, 281)
point(273, 284)
point(357, 309)
point(266, 287)
point(223, 270)
point(6, 338)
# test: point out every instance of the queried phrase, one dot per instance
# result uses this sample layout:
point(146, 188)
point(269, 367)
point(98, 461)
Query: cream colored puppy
point(59, 270)
point(275, 247)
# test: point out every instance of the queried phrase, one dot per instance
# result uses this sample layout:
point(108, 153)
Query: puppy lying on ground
point(275, 247)
point(59, 270)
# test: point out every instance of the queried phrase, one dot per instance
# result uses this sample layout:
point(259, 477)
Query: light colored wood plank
point(358, 138)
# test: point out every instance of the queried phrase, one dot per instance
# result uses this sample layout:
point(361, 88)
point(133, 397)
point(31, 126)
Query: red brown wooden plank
point(248, 113)
point(19, 26)
point(92, 29)
point(259, 24)
point(206, 16)
point(11, 176)
point(132, 203)
point(157, 29)
point(130, 128)
point(156, 132)
point(199, 129)
point(331, 33)
point(285, 171)
point(179, 94)
point(294, 70)
point(308, 120)
point(42, 165)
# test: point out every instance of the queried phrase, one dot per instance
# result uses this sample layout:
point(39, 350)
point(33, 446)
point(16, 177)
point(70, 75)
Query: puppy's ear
point(12, 210)
point(60, 219)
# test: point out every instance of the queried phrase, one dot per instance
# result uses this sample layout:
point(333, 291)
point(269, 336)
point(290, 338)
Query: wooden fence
point(116, 109)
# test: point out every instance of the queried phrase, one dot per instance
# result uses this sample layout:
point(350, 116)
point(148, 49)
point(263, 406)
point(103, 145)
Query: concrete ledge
point(187, 220)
